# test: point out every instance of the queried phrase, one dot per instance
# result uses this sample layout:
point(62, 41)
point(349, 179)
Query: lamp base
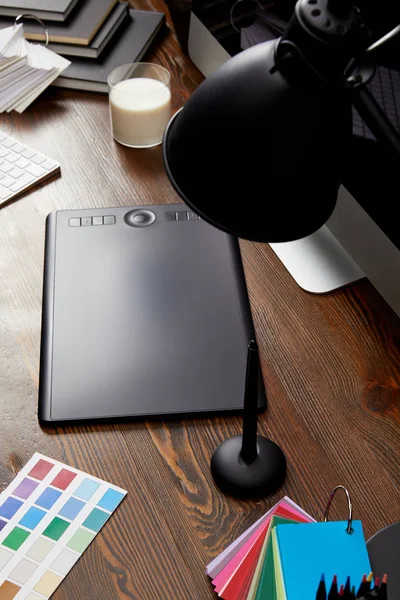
point(237, 478)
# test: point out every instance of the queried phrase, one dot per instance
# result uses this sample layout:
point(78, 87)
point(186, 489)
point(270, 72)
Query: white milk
point(140, 111)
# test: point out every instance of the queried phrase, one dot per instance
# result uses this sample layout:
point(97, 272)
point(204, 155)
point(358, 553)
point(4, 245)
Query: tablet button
point(140, 218)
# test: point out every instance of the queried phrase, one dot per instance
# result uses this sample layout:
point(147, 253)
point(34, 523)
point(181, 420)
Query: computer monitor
point(362, 237)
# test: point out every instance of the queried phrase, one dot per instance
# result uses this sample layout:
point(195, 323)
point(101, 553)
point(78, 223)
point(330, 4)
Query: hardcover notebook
point(81, 28)
point(50, 10)
point(102, 38)
point(145, 315)
point(134, 38)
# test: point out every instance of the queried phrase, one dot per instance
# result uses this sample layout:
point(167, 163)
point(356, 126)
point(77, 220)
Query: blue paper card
point(309, 549)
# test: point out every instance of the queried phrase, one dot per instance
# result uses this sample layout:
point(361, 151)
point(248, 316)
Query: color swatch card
point(286, 554)
point(49, 514)
point(303, 553)
point(242, 571)
point(216, 565)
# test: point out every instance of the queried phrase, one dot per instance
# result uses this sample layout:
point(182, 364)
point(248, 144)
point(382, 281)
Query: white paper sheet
point(26, 69)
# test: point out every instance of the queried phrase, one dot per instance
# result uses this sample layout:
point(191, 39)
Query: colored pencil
point(383, 589)
point(321, 592)
point(333, 592)
point(363, 587)
point(374, 593)
point(347, 590)
point(368, 584)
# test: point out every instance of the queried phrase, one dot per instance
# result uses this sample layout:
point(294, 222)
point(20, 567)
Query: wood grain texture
point(331, 365)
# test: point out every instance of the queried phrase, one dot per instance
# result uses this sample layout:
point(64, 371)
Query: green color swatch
point(96, 520)
point(80, 540)
point(266, 585)
point(16, 538)
point(56, 528)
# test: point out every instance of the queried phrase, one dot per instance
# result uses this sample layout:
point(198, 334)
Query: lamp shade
point(257, 151)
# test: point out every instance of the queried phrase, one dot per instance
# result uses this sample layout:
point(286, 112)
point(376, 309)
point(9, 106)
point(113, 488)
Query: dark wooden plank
point(330, 364)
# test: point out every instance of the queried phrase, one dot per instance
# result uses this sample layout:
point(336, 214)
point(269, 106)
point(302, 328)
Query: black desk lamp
point(258, 152)
point(258, 149)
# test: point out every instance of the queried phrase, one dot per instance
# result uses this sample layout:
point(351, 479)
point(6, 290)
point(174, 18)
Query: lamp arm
point(383, 40)
point(375, 118)
point(368, 107)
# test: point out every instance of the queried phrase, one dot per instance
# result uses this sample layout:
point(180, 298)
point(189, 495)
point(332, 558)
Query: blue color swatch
point(2, 524)
point(86, 489)
point(96, 520)
point(309, 549)
point(110, 500)
point(10, 507)
point(71, 508)
point(32, 518)
point(48, 498)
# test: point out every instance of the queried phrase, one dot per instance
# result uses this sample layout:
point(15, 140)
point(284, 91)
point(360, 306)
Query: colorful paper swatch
point(49, 515)
point(242, 569)
point(216, 565)
point(284, 554)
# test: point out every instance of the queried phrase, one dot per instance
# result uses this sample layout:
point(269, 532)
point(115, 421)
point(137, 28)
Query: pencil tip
point(370, 576)
point(384, 578)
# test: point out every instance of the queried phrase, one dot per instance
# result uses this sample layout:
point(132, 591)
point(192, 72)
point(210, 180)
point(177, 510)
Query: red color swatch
point(41, 469)
point(63, 479)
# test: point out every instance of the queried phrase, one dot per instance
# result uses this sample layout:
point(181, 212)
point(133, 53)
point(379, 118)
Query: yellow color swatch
point(48, 584)
point(279, 581)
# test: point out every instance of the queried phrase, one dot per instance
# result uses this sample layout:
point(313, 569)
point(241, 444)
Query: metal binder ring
point(28, 16)
point(350, 519)
point(233, 8)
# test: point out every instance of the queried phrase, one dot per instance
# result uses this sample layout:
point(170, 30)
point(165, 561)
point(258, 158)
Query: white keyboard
point(21, 168)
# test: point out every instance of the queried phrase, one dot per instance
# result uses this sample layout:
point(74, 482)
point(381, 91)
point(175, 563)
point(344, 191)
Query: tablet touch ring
point(140, 218)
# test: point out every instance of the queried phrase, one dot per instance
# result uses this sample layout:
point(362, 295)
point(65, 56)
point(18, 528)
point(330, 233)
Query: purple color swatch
point(2, 524)
point(25, 488)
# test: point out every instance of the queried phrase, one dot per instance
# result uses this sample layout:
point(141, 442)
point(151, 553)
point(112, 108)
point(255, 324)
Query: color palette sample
point(245, 570)
point(282, 557)
point(49, 515)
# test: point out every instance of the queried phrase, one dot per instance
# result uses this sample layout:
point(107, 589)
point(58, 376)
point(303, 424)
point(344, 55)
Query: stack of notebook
point(95, 35)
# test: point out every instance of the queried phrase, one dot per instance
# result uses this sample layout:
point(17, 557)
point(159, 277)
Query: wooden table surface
point(331, 365)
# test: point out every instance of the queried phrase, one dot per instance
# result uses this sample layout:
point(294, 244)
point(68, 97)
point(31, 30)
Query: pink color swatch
point(41, 469)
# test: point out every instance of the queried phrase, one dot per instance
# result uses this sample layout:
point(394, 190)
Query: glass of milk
point(140, 104)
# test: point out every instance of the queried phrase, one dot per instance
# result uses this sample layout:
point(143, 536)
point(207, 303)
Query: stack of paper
point(26, 69)
point(285, 553)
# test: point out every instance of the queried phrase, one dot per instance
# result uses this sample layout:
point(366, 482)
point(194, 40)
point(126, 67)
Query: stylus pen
point(249, 444)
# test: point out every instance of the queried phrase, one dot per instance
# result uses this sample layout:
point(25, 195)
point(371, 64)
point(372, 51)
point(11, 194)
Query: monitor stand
point(318, 263)
point(350, 246)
